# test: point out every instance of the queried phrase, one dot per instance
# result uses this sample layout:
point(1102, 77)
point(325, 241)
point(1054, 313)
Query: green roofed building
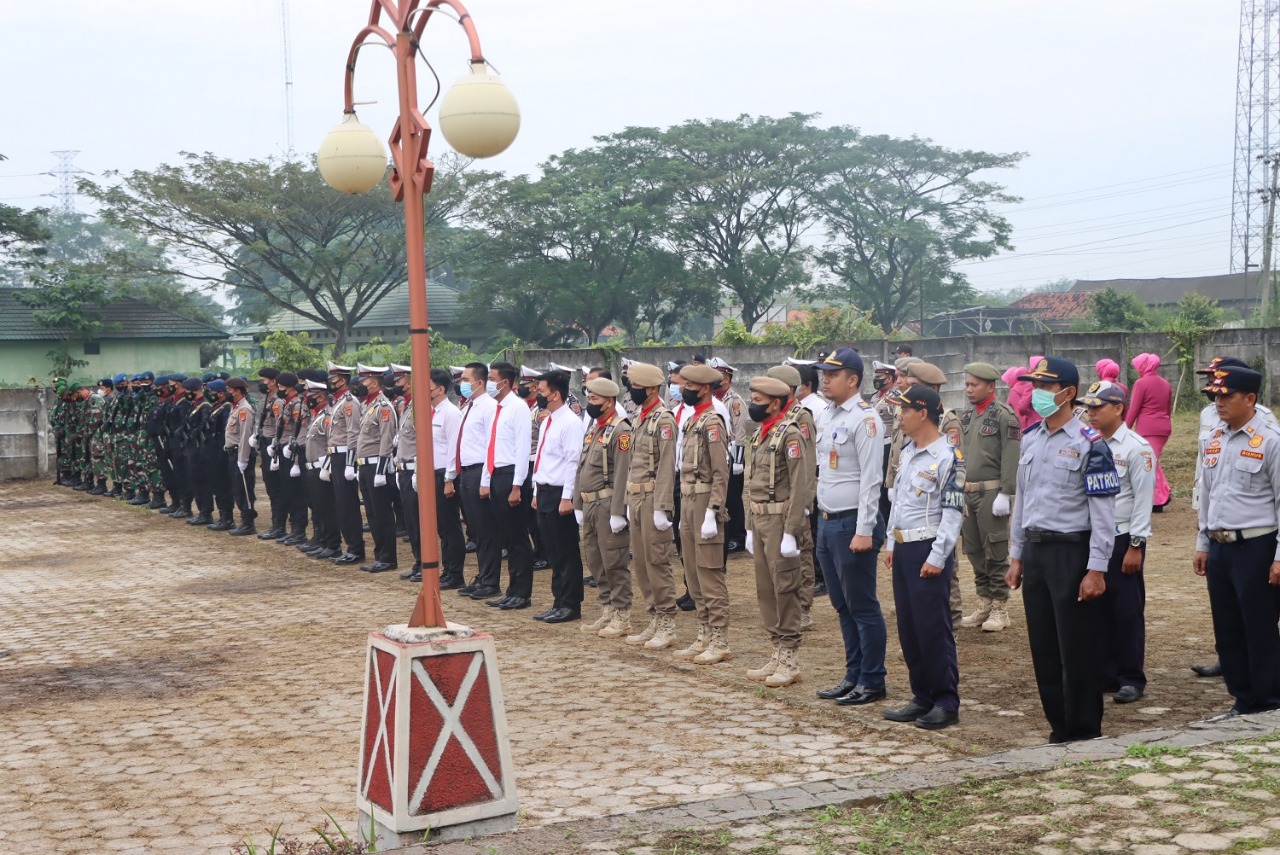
point(134, 337)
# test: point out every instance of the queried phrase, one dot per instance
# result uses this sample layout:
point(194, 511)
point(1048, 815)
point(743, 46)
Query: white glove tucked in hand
point(275, 465)
point(789, 548)
point(379, 480)
point(242, 464)
point(414, 482)
point(253, 441)
point(296, 471)
point(661, 521)
point(288, 452)
point(325, 475)
point(323, 461)
point(738, 469)
point(577, 515)
point(1000, 507)
point(751, 544)
point(617, 524)
point(349, 473)
point(709, 527)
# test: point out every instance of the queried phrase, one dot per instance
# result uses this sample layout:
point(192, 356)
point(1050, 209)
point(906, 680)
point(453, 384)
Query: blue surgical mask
point(1044, 402)
point(464, 389)
point(673, 390)
point(492, 388)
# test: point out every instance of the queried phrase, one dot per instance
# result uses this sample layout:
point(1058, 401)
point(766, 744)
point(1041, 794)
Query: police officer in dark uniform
point(1061, 537)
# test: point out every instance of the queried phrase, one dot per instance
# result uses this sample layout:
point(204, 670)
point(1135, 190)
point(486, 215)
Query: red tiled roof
point(1068, 304)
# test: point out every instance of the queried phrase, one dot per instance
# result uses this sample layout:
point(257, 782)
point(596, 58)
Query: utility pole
point(1266, 283)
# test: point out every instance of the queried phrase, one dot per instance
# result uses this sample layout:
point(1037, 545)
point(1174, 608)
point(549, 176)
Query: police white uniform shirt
point(559, 449)
point(1208, 422)
point(1135, 466)
point(445, 419)
point(1240, 481)
point(477, 419)
point(683, 412)
point(511, 443)
point(928, 493)
point(815, 404)
point(850, 460)
point(1067, 483)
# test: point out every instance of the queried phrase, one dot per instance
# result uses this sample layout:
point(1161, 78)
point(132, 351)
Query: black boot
point(201, 518)
point(116, 491)
point(181, 513)
point(157, 500)
point(100, 489)
point(84, 485)
point(223, 524)
point(143, 497)
point(271, 533)
point(245, 528)
point(129, 495)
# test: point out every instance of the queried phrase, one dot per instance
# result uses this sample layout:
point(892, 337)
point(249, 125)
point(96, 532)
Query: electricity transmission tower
point(66, 173)
point(1257, 129)
point(288, 79)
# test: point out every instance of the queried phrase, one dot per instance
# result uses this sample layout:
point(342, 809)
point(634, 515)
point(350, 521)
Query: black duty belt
point(1040, 535)
point(838, 515)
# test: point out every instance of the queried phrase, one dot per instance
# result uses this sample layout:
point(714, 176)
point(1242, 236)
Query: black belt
point(839, 515)
point(1040, 535)
point(472, 466)
point(509, 467)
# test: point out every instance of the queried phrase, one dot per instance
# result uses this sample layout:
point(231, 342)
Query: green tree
point(735, 331)
point(1110, 309)
point(68, 299)
point(290, 352)
point(820, 326)
point(900, 215)
point(1195, 319)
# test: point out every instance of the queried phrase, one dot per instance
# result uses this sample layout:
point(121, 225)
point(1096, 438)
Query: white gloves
point(379, 480)
point(617, 524)
point(296, 471)
point(349, 473)
point(709, 525)
point(275, 465)
point(577, 515)
point(628, 513)
point(789, 548)
point(326, 475)
point(738, 469)
point(253, 441)
point(414, 482)
point(324, 462)
point(1195, 498)
point(751, 544)
point(661, 521)
point(243, 466)
point(1001, 506)
point(288, 452)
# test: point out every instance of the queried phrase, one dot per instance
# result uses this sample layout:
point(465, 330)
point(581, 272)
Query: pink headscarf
point(1034, 361)
point(1146, 363)
point(1010, 377)
point(1107, 369)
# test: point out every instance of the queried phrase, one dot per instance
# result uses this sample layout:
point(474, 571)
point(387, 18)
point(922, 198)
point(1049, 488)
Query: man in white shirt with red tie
point(446, 419)
point(471, 451)
point(555, 472)
point(506, 466)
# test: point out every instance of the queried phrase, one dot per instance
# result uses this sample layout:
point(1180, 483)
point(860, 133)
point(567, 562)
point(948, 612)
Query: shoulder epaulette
point(1090, 433)
point(1032, 429)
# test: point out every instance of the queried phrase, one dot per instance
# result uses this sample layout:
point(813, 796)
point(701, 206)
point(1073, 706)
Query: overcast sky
point(1125, 108)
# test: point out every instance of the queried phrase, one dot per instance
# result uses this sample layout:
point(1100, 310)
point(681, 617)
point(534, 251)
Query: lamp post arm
point(464, 19)
point(348, 91)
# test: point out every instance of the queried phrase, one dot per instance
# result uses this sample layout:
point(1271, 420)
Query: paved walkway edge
point(570, 836)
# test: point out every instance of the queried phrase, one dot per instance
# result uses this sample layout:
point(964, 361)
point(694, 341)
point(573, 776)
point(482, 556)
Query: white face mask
point(492, 388)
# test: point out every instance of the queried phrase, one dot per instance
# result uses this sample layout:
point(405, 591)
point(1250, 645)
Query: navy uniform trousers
point(1124, 645)
point(924, 626)
point(851, 585)
point(1245, 610)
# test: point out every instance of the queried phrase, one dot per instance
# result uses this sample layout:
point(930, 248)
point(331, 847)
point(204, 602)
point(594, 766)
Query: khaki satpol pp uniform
point(779, 487)
point(991, 441)
point(800, 415)
point(650, 488)
point(704, 483)
point(600, 494)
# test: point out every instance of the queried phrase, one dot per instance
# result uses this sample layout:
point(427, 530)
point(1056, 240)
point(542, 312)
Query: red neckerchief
point(768, 426)
point(700, 409)
point(982, 408)
point(408, 398)
point(318, 408)
point(603, 421)
point(645, 411)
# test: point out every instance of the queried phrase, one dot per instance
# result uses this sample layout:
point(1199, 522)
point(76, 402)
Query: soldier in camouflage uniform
point(96, 427)
point(146, 476)
point(58, 426)
point(82, 471)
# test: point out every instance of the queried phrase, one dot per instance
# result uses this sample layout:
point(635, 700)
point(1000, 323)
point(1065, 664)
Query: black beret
point(238, 383)
point(269, 373)
point(287, 378)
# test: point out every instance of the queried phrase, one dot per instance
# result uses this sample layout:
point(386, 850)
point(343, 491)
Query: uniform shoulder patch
point(666, 432)
point(953, 438)
point(793, 449)
point(624, 442)
point(872, 424)
point(348, 408)
point(804, 429)
point(244, 414)
point(576, 407)
point(386, 414)
point(713, 434)
point(1090, 433)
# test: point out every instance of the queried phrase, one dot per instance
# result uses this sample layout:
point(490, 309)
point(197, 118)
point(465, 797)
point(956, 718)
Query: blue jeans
point(851, 585)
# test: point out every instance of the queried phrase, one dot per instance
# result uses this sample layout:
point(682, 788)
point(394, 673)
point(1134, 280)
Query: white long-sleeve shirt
point(510, 427)
point(559, 448)
point(445, 420)
point(683, 412)
point(476, 422)
point(1135, 465)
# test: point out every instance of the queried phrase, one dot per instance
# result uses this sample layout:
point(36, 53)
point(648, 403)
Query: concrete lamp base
point(435, 757)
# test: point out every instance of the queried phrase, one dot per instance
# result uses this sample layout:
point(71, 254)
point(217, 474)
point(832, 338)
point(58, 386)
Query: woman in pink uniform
point(1020, 393)
point(1108, 370)
point(1150, 407)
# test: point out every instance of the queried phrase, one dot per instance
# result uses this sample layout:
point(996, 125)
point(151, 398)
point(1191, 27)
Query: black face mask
point(262, 388)
point(758, 412)
point(522, 392)
point(282, 393)
point(541, 401)
point(595, 411)
point(880, 382)
point(689, 396)
point(639, 395)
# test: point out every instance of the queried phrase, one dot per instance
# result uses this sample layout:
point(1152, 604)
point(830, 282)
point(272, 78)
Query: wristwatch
point(1137, 542)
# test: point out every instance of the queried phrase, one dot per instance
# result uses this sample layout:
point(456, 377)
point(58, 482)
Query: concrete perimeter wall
point(26, 441)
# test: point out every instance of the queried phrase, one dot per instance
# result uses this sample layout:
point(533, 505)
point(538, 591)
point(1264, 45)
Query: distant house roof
point(1066, 305)
point(391, 311)
point(1229, 287)
point(123, 319)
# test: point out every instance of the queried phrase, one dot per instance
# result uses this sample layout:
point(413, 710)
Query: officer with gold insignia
point(1236, 549)
point(374, 446)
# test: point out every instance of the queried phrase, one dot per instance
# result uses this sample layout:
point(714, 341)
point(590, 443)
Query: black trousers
point(1245, 610)
point(453, 545)
point(531, 517)
point(409, 501)
point(271, 483)
point(398, 510)
point(382, 520)
point(512, 526)
point(324, 518)
point(346, 504)
point(1064, 635)
point(736, 526)
point(242, 487)
point(180, 488)
point(293, 495)
point(1124, 636)
point(215, 466)
point(924, 626)
point(560, 545)
point(198, 477)
point(482, 527)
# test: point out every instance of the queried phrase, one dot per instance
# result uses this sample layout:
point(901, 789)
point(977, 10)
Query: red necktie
point(546, 430)
point(493, 440)
point(458, 450)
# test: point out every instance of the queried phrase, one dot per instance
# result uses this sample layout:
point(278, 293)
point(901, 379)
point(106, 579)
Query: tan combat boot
point(788, 670)
point(806, 621)
point(999, 619)
point(644, 634)
point(665, 636)
point(983, 612)
point(699, 644)
point(618, 626)
point(717, 649)
point(759, 674)
point(606, 615)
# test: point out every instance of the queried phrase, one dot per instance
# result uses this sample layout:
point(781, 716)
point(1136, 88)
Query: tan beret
point(786, 373)
point(983, 371)
point(603, 386)
point(701, 374)
point(906, 361)
point(770, 386)
point(927, 372)
point(643, 374)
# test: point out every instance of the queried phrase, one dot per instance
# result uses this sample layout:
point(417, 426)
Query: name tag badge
point(835, 460)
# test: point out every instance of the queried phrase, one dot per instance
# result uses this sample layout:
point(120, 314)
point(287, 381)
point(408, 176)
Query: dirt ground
point(165, 689)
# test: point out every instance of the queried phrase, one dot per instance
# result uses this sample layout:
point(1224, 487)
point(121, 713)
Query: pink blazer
point(1150, 406)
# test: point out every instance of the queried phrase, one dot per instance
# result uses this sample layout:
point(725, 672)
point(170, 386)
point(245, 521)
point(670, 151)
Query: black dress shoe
point(347, 558)
point(470, 546)
point(221, 525)
point(541, 564)
point(515, 603)
point(1214, 670)
point(324, 553)
point(200, 519)
point(1127, 695)
point(733, 546)
point(589, 581)
point(242, 531)
point(838, 691)
point(291, 540)
point(820, 590)
point(378, 567)
point(938, 718)
point(546, 614)
point(910, 712)
point(686, 603)
point(408, 573)
point(497, 604)
point(180, 514)
point(861, 695)
point(484, 593)
point(465, 590)
point(416, 577)
point(563, 616)
point(450, 584)
point(308, 545)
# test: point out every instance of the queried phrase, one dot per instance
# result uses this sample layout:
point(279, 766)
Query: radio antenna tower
point(66, 174)
point(288, 80)
point(1257, 129)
